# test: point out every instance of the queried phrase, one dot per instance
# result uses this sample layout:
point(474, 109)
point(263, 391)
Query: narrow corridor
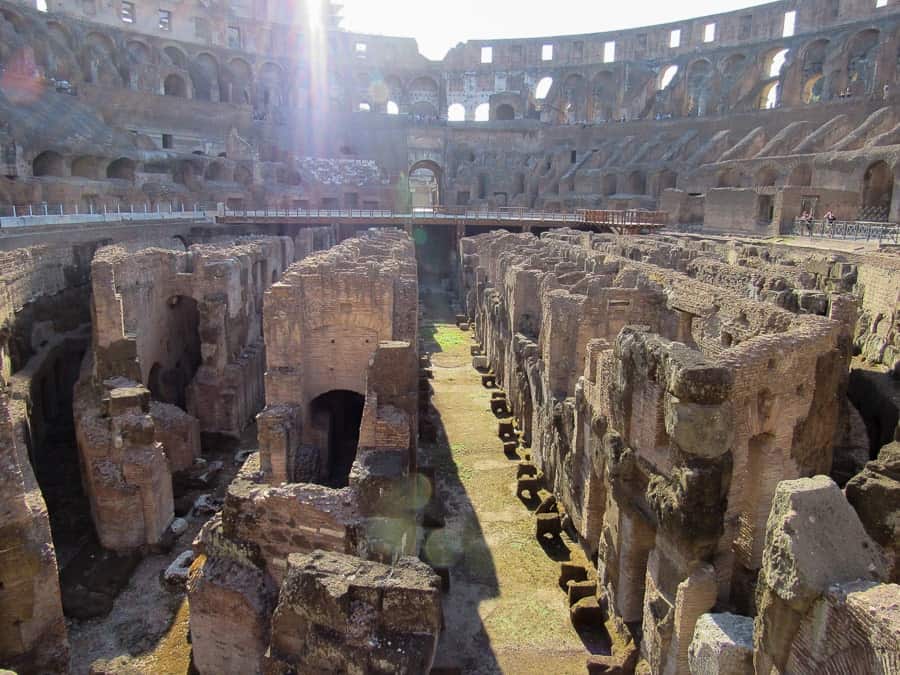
point(505, 611)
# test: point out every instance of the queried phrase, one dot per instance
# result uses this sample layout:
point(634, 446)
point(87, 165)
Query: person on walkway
point(807, 221)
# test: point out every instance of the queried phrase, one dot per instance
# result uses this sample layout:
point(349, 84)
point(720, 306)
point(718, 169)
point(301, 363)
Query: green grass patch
point(446, 335)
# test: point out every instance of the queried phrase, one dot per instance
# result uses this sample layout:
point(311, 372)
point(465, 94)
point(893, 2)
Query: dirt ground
point(505, 611)
point(147, 630)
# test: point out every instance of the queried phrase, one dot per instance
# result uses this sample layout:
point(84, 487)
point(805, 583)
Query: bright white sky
point(439, 25)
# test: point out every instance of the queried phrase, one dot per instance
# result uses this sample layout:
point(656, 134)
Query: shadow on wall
point(477, 553)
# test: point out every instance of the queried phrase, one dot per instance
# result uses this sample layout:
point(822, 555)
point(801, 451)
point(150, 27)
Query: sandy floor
point(147, 630)
point(505, 611)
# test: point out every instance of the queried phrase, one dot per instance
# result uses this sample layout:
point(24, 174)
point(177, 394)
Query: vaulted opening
point(180, 356)
point(335, 417)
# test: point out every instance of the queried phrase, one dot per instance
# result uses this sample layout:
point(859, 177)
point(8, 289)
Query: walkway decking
point(621, 222)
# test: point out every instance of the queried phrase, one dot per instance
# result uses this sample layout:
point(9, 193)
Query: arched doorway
point(505, 112)
point(425, 179)
point(174, 85)
point(336, 416)
point(878, 184)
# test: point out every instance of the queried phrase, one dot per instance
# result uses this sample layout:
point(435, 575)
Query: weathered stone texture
point(339, 613)
point(185, 330)
point(722, 645)
point(814, 539)
point(662, 410)
point(875, 494)
point(32, 628)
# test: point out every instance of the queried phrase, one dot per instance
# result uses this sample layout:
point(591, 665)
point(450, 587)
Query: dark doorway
point(436, 255)
point(336, 417)
point(54, 450)
point(168, 382)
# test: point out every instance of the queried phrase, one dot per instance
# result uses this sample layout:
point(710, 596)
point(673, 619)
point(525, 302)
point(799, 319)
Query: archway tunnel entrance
point(169, 377)
point(336, 417)
point(878, 186)
point(436, 255)
point(424, 185)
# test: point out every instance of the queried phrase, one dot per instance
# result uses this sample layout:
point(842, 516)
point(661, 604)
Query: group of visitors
point(806, 219)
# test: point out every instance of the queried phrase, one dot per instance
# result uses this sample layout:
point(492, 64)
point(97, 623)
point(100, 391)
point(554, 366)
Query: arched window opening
point(813, 89)
point(393, 108)
point(456, 113)
point(862, 60)
point(48, 163)
point(424, 188)
point(364, 107)
point(336, 417)
point(121, 169)
point(505, 111)
point(667, 76)
point(174, 85)
point(483, 112)
point(543, 88)
point(770, 96)
point(776, 62)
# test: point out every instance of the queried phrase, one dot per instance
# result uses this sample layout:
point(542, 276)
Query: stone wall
point(32, 628)
point(184, 328)
point(662, 411)
point(340, 322)
point(345, 302)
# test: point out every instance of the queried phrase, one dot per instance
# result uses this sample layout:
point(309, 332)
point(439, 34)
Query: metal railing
point(628, 217)
point(45, 209)
point(46, 214)
point(848, 229)
point(625, 217)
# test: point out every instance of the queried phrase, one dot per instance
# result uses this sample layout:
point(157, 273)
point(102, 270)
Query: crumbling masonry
point(665, 413)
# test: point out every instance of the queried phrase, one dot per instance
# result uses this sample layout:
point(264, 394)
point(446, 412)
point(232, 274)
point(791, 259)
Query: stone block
point(722, 644)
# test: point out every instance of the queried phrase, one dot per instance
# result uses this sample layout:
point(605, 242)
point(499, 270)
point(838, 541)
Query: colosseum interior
point(557, 355)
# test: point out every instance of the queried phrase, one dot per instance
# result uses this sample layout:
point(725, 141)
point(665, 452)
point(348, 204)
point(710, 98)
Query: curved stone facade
point(246, 106)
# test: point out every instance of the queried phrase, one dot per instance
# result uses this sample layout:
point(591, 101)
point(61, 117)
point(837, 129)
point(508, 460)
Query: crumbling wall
point(185, 330)
point(32, 627)
point(323, 322)
point(338, 612)
point(344, 320)
point(663, 413)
